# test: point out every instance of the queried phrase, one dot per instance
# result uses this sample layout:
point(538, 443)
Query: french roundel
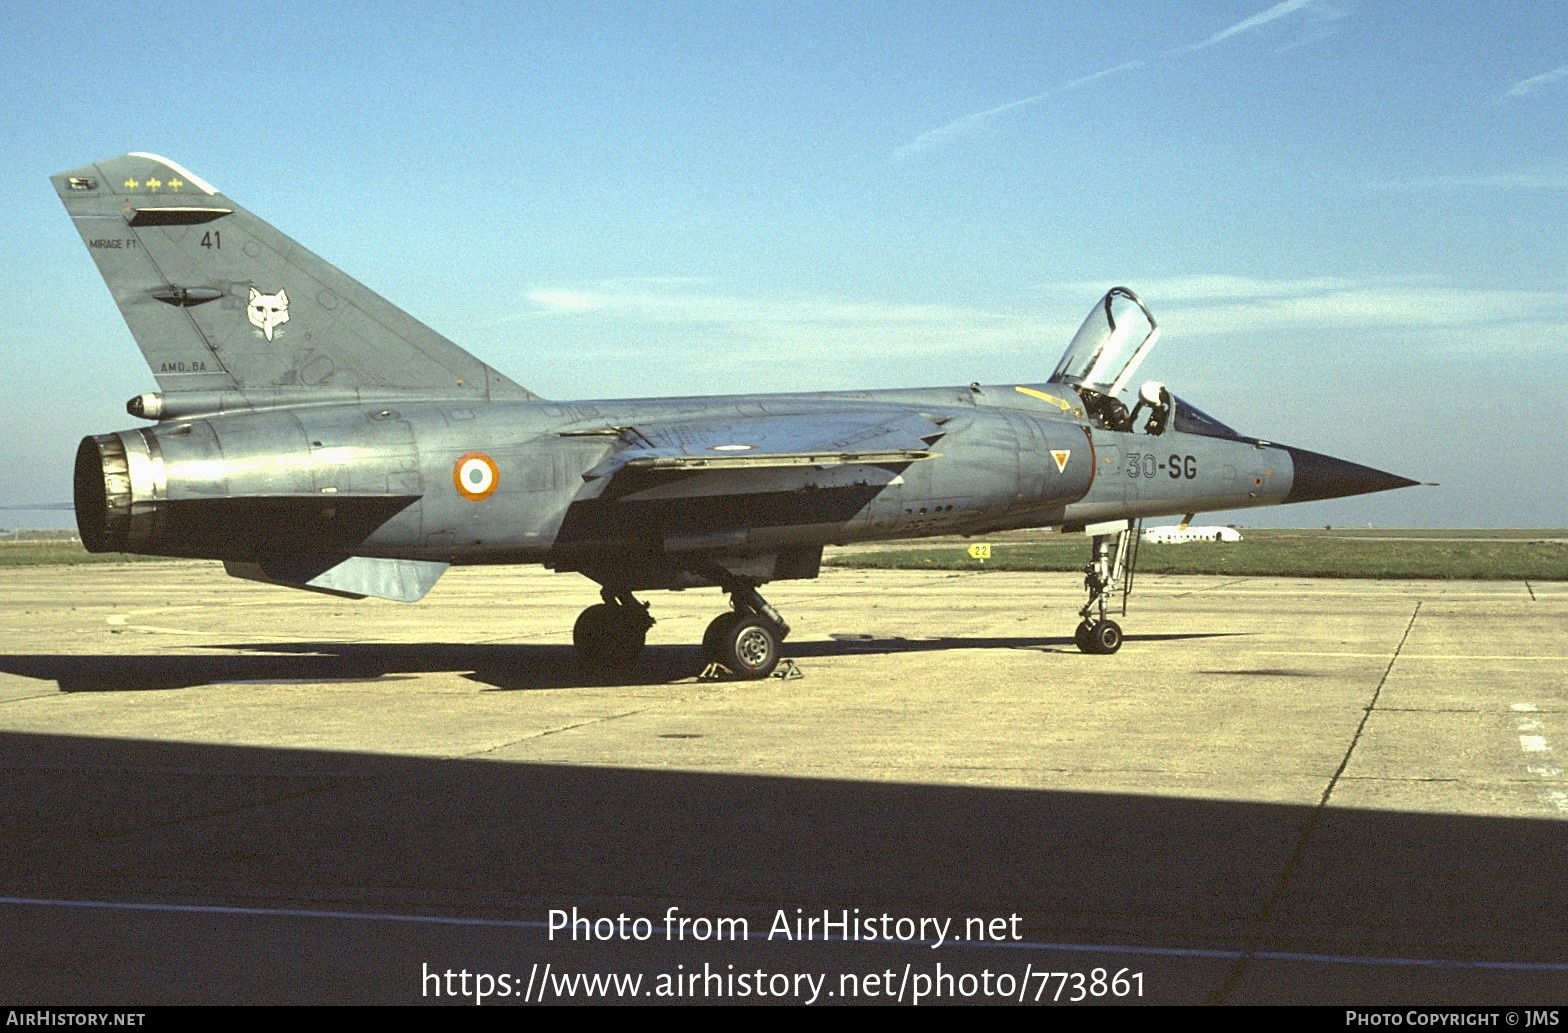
point(476, 476)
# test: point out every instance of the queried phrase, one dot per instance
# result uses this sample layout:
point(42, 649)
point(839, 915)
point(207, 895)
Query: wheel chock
point(787, 670)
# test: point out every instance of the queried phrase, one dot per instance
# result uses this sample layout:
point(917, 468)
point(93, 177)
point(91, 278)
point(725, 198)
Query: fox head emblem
point(267, 312)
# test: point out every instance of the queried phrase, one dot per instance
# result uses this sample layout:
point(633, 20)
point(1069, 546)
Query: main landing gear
point(1109, 570)
point(611, 634)
point(744, 641)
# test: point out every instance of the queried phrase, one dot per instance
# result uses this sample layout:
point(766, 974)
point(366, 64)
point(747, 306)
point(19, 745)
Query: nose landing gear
point(1109, 570)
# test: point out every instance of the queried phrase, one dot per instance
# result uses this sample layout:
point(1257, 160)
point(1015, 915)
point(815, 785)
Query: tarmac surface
point(1278, 791)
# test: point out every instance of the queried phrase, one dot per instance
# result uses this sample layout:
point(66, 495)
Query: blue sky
point(1351, 218)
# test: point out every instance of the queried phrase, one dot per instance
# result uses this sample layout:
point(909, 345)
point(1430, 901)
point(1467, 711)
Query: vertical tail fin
point(219, 301)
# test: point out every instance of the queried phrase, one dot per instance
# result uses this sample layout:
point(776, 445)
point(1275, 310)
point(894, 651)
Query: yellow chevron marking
point(1032, 393)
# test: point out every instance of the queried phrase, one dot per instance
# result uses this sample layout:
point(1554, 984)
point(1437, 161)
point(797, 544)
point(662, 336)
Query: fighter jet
point(307, 433)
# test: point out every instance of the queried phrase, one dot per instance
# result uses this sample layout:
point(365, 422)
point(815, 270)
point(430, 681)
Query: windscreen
point(1192, 420)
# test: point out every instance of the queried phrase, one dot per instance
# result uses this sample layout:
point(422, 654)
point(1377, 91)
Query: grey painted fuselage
point(310, 434)
point(992, 470)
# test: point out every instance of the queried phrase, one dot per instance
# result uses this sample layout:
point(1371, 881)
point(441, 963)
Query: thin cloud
point(1204, 288)
point(1373, 306)
point(663, 328)
point(813, 323)
point(1258, 20)
point(1525, 87)
point(819, 325)
point(804, 341)
point(961, 127)
point(1519, 321)
point(1129, 66)
point(971, 125)
point(668, 301)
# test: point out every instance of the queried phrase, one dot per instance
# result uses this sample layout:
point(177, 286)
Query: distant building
point(1175, 534)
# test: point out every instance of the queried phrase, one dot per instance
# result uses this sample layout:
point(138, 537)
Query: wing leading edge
point(755, 443)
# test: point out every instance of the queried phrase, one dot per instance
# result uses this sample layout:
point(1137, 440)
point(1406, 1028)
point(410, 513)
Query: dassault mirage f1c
point(309, 434)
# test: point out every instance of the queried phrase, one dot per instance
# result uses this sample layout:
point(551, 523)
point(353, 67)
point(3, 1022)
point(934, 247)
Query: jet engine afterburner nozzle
point(119, 480)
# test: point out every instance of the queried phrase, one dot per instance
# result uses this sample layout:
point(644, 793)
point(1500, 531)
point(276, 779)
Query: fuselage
point(380, 478)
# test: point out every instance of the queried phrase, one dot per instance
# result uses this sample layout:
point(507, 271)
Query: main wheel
point(1107, 636)
point(713, 638)
point(608, 636)
point(750, 647)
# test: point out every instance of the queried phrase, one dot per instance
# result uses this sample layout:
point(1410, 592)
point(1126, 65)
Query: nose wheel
point(1098, 638)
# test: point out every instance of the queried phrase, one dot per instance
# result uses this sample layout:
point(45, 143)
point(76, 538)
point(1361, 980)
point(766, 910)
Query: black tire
point(713, 638)
point(750, 648)
point(608, 637)
point(1084, 636)
point(1107, 637)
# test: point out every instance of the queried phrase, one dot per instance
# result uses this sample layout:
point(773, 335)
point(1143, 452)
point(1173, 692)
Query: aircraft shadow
point(501, 666)
point(1214, 900)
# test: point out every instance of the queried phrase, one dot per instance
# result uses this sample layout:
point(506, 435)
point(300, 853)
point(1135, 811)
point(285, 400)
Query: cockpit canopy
point(1107, 350)
point(1100, 363)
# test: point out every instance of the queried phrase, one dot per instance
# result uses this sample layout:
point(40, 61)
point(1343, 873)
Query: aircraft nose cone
point(1318, 476)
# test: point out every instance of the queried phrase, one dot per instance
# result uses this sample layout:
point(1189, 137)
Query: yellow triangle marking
point(1060, 455)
